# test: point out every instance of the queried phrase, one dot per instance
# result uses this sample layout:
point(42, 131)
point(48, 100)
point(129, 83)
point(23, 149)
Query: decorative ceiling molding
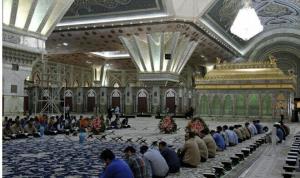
point(83, 10)
point(290, 44)
point(271, 34)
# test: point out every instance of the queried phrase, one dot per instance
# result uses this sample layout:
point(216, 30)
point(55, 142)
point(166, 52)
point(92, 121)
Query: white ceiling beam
point(30, 15)
point(45, 19)
point(14, 11)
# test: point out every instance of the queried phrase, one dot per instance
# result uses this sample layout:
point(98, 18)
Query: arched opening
point(142, 101)
point(68, 99)
point(116, 99)
point(170, 101)
point(91, 100)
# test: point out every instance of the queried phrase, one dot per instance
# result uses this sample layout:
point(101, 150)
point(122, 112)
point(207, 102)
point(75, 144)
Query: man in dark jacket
point(170, 156)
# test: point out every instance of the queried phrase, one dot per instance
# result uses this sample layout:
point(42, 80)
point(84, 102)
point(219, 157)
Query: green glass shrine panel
point(240, 105)
point(267, 105)
point(204, 105)
point(216, 106)
point(228, 105)
point(253, 107)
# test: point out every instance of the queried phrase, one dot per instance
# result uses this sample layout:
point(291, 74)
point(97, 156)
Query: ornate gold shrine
point(248, 75)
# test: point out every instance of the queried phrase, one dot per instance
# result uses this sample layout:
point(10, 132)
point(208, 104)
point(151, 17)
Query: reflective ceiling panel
point(39, 14)
point(7, 6)
point(22, 13)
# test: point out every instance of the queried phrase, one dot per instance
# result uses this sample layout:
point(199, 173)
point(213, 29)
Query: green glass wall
point(240, 105)
point(253, 107)
point(228, 105)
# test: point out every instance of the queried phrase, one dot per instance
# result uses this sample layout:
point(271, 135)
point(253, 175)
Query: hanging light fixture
point(246, 24)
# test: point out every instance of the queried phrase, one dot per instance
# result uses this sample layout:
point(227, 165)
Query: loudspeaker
point(168, 56)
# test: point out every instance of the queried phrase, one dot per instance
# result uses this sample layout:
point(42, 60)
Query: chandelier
point(246, 24)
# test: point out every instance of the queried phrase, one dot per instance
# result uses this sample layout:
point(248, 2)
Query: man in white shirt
point(158, 163)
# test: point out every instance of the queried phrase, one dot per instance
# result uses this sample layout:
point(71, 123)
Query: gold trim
point(245, 86)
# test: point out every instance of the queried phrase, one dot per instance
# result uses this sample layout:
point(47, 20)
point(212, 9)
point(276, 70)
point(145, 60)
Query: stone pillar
point(16, 67)
point(123, 78)
point(156, 100)
point(79, 100)
point(128, 100)
point(13, 88)
point(103, 100)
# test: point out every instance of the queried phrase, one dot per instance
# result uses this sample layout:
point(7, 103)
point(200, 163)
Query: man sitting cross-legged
point(219, 140)
point(159, 165)
point(7, 132)
point(17, 129)
point(210, 142)
point(170, 156)
point(136, 163)
point(189, 154)
point(202, 148)
point(114, 168)
point(30, 129)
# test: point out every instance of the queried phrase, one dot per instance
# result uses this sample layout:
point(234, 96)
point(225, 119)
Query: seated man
point(210, 142)
point(247, 130)
point(116, 123)
point(124, 123)
point(279, 132)
point(136, 163)
point(158, 163)
point(238, 133)
point(51, 129)
point(219, 140)
point(232, 136)
point(96, 125)
point(258, 126)
point(285, 128)
point(252, 129)
point(61, 127)
point(17, 130)
point(189, 154)
point(30, 129)
point(202, 148)
point(7, 132)
point(114, 168)
point(170, 156)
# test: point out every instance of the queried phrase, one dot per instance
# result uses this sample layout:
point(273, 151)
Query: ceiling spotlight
point(88, 62)
point(65, 44)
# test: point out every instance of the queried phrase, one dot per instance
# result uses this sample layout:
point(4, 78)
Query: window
point(15, 67)
point(14, 89)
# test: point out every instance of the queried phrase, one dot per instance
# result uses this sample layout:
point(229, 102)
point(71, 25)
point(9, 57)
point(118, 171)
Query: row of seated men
point(38, 126)
point(159, 162)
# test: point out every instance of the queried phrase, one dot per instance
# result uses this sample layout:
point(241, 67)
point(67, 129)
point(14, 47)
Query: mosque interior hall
point(84, 79)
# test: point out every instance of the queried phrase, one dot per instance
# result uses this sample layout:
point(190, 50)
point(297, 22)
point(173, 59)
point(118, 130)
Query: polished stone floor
point(63, 156)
